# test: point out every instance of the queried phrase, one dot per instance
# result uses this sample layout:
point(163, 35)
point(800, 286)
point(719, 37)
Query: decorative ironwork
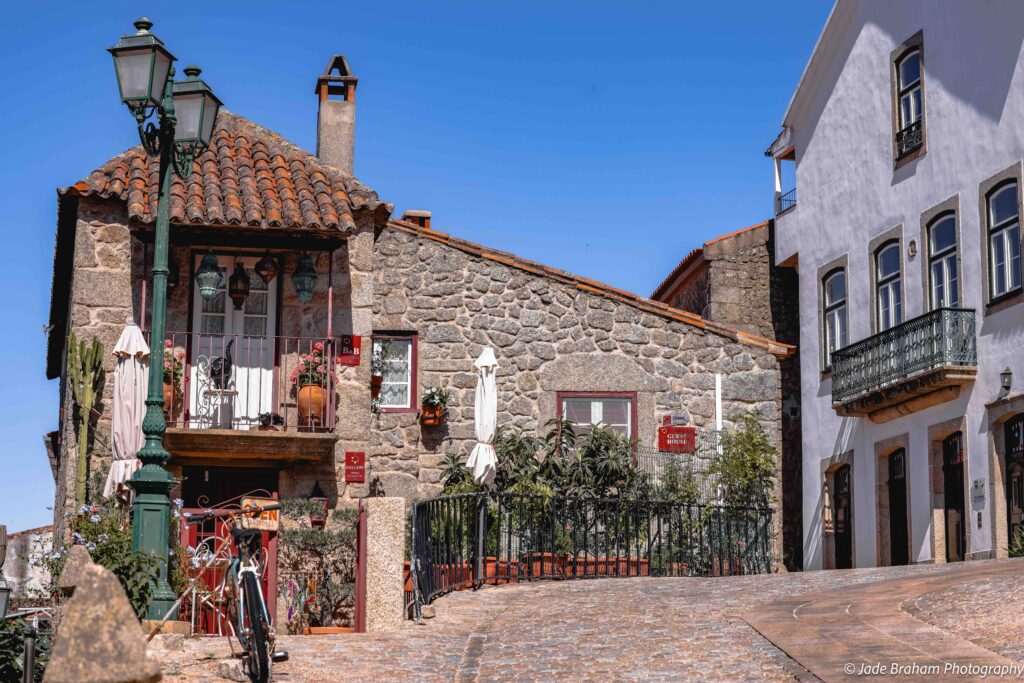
point(945, 336)
point(468, 540)
point(786, 202)
point(909, 139)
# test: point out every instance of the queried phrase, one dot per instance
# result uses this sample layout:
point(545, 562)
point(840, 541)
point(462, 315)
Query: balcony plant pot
point(430, 416)
point(312, 403)
point(376, 381)
point(542, 565)
point(172, 402)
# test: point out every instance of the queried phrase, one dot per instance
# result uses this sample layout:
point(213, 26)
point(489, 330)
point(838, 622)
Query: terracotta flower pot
point(312, 402)
point(407, 577)
point(430, 416)
point(172, 403)
point(376, 381)
point(326, 630)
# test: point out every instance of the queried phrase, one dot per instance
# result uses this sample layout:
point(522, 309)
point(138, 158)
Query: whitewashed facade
point(882, 156)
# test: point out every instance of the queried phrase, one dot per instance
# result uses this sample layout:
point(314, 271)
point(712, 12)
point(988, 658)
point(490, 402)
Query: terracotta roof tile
point(594, 287)
point(249, 177)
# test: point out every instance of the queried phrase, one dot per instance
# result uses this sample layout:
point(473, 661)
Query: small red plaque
point(355, 467)
point(348, 354)
point(675, 439)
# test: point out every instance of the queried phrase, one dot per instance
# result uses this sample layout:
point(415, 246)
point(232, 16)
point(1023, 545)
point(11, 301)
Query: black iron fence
point(785, 202)
point(465, 541)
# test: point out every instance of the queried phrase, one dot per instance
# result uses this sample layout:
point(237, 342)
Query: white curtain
point(131, 379)
point(483, 460)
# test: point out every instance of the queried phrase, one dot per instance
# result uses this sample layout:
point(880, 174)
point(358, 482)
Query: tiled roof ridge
point(684, 264)
point(249, 177)
point(594, 287)
point(36, 530)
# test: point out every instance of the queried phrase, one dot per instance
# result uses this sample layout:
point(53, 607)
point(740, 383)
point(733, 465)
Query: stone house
point(733, 279)
point(259, 209)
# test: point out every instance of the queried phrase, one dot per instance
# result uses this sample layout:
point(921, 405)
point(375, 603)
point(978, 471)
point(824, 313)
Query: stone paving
point(609, 629)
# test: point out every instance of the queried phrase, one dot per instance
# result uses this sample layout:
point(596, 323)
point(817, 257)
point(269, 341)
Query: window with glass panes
point(942, 262)
point(1004, 241)
point(836, 332)
point(613, 411)
point(908, 71)
point(888, 294)
point(397, 355)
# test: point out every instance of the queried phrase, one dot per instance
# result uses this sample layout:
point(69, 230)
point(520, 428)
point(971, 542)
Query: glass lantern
point(142, 64)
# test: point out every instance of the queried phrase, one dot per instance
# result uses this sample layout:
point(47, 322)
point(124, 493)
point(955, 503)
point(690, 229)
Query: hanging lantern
point(208, 276)
point(304, 278)
point(266, 268)
point(238, 286)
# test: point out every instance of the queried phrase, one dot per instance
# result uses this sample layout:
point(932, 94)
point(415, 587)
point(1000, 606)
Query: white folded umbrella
point(483, 460)
point(131, 380)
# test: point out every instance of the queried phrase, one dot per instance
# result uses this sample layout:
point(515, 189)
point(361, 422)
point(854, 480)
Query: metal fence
point(465, 541)
point(696, 467)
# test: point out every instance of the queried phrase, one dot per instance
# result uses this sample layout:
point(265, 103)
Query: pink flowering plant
point(174, 364)
point(312, 367)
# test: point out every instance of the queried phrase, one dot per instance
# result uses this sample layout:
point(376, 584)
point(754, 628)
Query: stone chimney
point(420, 218)
point(336, 118)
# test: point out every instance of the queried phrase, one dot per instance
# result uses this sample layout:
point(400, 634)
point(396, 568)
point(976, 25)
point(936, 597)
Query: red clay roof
point(249, 177)
point(661, 289)
point(594, 287)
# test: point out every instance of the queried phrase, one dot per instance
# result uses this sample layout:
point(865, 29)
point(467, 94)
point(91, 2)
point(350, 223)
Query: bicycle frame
point(244, 563)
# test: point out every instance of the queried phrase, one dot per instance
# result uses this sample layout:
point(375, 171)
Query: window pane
point(897, 304)
point(255, 326)
point(1003, 205)
point(889, 262)
point(951, 278)
point(616, 411)
point(938, 285)
point(835, 288)
point(943, 235)
point(576, 410)
point(211, 324)
point(999, 284)
point(910, 69)
point(1013, 237)
point(843, 335)
point(215, 304)
point(613, 413)
point(396, 388)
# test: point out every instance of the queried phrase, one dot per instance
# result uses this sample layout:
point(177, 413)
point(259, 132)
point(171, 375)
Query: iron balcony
point(906, 368)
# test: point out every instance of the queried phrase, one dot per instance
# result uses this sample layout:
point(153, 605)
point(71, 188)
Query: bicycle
point(247, 608)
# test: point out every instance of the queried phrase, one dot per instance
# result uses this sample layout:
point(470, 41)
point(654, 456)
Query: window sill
point(908, 156)
point(398, 410)
point(826, 373)
point(1004, 301)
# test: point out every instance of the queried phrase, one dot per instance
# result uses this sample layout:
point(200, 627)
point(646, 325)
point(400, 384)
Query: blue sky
point(608, 139)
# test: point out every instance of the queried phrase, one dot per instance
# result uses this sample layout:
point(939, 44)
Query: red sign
point(348, 354)
point(355, 467)
point(674, 439)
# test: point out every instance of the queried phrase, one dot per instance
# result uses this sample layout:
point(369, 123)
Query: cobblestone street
point(613, 629)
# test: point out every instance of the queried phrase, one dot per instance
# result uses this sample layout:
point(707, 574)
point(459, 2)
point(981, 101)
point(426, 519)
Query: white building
point(906, 134)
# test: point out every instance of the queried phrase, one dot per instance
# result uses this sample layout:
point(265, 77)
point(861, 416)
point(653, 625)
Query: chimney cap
point(337, 71)
point(420, 218)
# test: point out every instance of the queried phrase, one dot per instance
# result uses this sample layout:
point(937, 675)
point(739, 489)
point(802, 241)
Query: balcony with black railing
point(785, 202)
point(907, 368)
point(908, 139)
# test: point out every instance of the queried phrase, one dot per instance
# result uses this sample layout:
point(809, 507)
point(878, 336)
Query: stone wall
point(25, 578)
point(548, 336)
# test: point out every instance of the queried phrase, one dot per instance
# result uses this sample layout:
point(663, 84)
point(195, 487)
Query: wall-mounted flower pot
point(376, 381)
point(431, 416)
point(312, 403)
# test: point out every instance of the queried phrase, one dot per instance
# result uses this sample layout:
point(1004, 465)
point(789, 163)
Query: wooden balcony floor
point(254, 445)
point(910, 394)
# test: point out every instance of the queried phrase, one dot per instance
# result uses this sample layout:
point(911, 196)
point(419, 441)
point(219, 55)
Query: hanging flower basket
point(434, 404)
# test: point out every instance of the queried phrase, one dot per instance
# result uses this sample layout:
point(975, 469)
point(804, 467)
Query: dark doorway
point(1014, 447)
point(843, 517)
point(205, 487)
point(898, 551)
point(953, 492)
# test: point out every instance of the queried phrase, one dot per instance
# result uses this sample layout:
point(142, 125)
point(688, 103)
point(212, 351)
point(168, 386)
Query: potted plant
point(310, 379)
point(435, 401)
point(174, 370)
point(377, 358)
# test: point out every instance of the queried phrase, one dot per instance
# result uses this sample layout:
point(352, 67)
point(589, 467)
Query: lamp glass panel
point(188, 109)
point(161, 70)
point(209, 119)
point(134, 68)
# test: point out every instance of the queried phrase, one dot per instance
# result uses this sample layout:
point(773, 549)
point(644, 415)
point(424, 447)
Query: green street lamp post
point(185, 112)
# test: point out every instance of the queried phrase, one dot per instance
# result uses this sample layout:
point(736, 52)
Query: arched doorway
point(843, 515)
point(953, 495)
point(1013, 439)
point(898, 541)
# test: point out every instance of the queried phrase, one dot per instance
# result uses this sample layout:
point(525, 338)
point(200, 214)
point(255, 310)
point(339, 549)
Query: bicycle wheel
point(257, 656)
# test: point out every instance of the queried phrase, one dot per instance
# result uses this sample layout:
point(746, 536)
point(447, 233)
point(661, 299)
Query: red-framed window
point(394, 355)
point(615, 410)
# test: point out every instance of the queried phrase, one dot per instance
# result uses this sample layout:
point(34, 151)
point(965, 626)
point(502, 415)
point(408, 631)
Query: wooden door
point(953, 490)
point(843, 516)
point(233, 351)
point(899, 553)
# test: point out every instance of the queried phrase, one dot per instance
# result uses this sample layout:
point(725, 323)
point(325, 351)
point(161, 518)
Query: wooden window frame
point(413, 406)
point(630, 395)
point(913, 44)
point(942, 256)
point(990, 230)
point(828, 308)
point(880, 281)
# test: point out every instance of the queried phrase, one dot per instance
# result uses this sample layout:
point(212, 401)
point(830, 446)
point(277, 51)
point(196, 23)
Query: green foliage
point(104, 529)
point(436, 397)
point(746, 465)
point(1016, 548)
point(85, 364)
point(12, 648)
point(322, 560)
point(678, 484)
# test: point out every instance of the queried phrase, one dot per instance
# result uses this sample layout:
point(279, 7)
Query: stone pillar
point(385, 553)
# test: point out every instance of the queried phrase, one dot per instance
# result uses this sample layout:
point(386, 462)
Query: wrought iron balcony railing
point(785, 202)
point(909, 139)
point(244, 382)
point(945, 336)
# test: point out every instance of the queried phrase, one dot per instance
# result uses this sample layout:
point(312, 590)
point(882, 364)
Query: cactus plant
point(85, 362)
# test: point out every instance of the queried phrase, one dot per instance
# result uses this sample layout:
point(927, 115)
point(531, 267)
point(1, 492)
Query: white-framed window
point(888, 294)
point(942, 262)
point(1004, 241)
point(612, 410)
point(397, 365)
point(836, 332)
point(908, 74)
